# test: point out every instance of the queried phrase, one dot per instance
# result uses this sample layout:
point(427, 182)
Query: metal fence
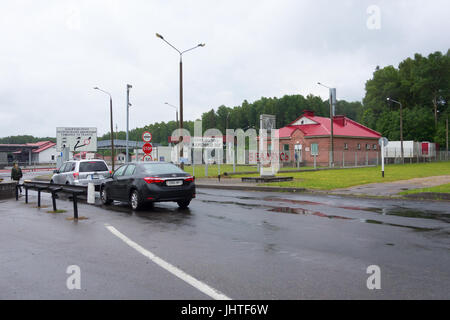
point(419, 157)
point(27, 165)
point(347, 159)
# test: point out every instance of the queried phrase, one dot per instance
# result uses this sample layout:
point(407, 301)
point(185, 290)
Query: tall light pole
point(129, 86)
point(112, 128)
point(446, 139)
point(176, 109)
point(401, 127)
point(181, 79)
point(332, 111)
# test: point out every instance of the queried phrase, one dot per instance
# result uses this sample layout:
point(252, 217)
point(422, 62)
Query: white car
point(82, 172)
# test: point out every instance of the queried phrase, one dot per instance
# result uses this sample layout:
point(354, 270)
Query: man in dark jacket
point(16, 174)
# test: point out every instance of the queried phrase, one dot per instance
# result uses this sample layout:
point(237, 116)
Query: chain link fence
point(360, 158)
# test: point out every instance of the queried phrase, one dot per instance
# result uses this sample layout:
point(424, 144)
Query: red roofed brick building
point(354, 144)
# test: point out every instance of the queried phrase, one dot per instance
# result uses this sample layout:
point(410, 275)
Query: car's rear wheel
point(135, 200)
point(184, 204)
point(104, 196)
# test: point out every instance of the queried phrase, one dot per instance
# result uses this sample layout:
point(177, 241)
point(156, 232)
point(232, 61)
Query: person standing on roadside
point(16, 174)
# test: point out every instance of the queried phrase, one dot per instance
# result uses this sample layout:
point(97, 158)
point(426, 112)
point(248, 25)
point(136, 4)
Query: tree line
point(23, 139)
point(422, 86)
point(246, 115)
point(420, 83)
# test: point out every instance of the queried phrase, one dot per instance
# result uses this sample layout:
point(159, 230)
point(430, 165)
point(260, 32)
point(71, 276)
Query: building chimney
point(339, 120)
point(308, 113)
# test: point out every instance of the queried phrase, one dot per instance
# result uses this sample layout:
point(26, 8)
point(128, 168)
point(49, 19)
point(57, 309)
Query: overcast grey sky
point(54, 52)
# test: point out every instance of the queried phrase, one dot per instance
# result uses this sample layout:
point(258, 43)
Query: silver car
point(82, 172)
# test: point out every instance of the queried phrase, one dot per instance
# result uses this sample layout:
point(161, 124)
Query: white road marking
point(203, 287)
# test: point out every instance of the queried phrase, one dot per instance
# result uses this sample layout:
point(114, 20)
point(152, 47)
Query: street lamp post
point(129, 86)
point(401, 127)
point(446, 138)
point(332, 111)
point(112, 128)
point(176, 109)
point(181, 79)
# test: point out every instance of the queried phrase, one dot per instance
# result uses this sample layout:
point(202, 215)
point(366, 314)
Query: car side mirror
point(55, 171)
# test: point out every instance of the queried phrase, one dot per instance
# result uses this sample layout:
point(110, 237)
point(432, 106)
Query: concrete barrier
point(7, 190)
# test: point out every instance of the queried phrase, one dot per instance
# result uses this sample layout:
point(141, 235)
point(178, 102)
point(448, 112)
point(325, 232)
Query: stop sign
point(147, 148)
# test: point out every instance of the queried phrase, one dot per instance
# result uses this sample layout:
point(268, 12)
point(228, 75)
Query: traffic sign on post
point(147, 158)
point(383, 141)
point(147, 148)
point(147, 136)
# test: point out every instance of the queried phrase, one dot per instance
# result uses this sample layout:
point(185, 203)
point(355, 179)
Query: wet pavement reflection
point(347, 212)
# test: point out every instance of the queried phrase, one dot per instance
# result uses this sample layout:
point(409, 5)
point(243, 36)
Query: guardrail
point(54, 189)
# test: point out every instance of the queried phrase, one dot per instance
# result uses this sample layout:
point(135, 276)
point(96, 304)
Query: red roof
point(43, 145)
point(320, 126)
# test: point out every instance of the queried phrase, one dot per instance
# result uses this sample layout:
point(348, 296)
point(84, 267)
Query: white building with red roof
point(45, 153)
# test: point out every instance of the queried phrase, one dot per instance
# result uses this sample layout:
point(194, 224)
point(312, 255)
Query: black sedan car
point(139, 183)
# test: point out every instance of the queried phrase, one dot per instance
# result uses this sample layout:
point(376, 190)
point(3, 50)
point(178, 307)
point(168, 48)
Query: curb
point(250, 188)
point(391, 197)
point(429, 196)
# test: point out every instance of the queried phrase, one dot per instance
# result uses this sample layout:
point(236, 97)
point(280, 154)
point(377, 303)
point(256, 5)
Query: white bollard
point(91, 193)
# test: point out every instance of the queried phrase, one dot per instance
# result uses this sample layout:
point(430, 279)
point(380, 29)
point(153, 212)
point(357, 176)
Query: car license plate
point(174, 183)
point(94, 176)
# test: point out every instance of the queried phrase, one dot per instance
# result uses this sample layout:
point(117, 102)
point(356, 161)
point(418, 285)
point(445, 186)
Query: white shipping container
point(411, 149)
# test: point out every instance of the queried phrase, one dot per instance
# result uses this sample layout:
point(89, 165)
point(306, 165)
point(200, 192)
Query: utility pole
point(401, 127)
point(332, 111)
point(129, 86)
point(176, 109)
point(112, 133)
point(112, 126)
point(401, 133)
point(332, 114)
point(446, 132)
point(181, 86)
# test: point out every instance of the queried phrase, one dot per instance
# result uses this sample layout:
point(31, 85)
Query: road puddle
point(395, 211)
point(411, 213)
point(241, 204)
point(420, 229)
point(306, 212)
point(303, 202)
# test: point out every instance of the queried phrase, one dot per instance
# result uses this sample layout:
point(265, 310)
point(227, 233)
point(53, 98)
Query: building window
point(286, 147)
point(367, 146)
point(374, 147)
point(314, 149)
point(358, 146)
point(345, 146)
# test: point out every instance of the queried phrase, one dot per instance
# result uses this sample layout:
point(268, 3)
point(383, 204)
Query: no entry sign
point(147, 136)
point(147, 148)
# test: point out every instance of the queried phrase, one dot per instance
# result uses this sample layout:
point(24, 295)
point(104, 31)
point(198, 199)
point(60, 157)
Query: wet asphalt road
point(247, 245)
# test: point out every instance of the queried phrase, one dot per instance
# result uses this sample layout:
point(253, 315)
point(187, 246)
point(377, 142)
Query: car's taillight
point(76, 175)
point(190, 179)
point(153, 180)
